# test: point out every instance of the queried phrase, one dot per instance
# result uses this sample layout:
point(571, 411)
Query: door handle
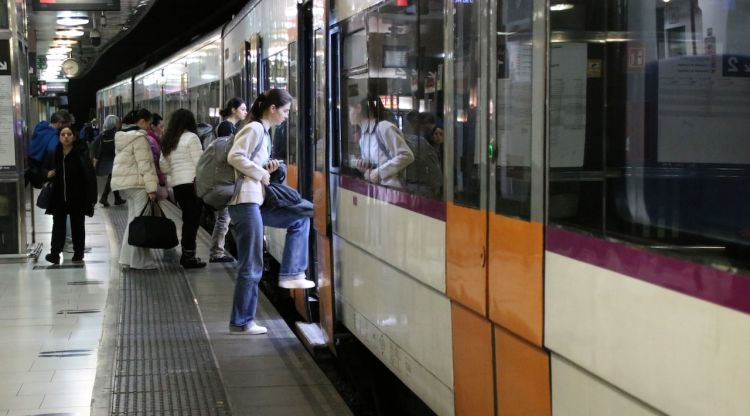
point(483, 256)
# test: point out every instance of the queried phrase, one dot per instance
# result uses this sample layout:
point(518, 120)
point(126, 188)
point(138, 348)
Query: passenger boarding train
point(587, 250)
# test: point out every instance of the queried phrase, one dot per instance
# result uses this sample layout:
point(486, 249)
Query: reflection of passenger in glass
point(384, 152)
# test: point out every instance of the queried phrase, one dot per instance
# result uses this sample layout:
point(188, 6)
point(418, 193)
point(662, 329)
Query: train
point(586, 250)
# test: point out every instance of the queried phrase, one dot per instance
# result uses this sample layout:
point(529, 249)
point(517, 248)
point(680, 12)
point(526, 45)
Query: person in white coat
point(384, 152)
point(180, 150)
point(134, 175)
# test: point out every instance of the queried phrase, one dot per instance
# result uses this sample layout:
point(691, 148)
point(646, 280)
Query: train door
point(495, 89)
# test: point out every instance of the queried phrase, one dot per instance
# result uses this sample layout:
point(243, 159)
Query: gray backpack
point(215, 181)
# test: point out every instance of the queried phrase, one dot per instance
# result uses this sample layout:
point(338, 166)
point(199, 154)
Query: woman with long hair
point(154, 133)
point(180, 151)
point(250, 156)
point(73, 194)
point(134, 175)
point(383, 149)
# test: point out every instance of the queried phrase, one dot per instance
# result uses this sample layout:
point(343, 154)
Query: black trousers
point(191, 211)
point(77, 231)
point(107, 188)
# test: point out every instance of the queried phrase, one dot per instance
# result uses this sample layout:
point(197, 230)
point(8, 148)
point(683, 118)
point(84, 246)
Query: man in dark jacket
point(43, 142)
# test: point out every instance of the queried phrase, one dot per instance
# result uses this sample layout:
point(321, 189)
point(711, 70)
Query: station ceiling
point(88, 34)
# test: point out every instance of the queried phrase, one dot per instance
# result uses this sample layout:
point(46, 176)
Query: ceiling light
point(71, 33)
point(56, 56)
point(65, 42)
point(59, 49)
point(560, 7)
point(72, 20)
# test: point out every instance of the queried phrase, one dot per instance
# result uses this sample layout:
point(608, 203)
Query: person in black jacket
point(103, 152)
point(73, 194)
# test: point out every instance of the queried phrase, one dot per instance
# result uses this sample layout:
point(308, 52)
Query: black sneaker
point(52, 258)
point(104, 203)
point(77, 258)
point(222, 259)
point(119, 201)
point(192, 262)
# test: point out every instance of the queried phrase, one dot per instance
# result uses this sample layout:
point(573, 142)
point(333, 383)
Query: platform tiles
point(156, 343)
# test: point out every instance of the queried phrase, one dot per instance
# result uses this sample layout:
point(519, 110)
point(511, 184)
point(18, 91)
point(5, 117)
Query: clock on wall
point(70, 67)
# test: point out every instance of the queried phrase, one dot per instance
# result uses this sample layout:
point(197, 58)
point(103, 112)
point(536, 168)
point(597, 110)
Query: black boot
point(189, 261)
point(118, 199)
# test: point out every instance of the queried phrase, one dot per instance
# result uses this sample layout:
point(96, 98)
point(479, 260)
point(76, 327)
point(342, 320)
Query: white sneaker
point(250, 329)
point(296, 283)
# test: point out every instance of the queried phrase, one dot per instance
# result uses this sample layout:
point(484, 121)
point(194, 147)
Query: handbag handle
point(152, 204)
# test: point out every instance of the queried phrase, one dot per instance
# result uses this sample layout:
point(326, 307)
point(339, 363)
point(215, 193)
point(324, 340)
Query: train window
point(276, 72)
point(648, 124)
point(466, 136)
point(513, 98)
point(294, 113)
point(320, 102)
point(391, 96)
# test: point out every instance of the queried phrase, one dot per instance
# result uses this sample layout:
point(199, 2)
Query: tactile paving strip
point(163, 361)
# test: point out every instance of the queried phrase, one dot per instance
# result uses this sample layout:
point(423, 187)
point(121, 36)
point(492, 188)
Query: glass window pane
point(649, 105)
point(514, 64)
point(392, 98)
point(466, 140)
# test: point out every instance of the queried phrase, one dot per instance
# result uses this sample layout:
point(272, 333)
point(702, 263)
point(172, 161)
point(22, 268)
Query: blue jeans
point(248, 235)
point(295, 257)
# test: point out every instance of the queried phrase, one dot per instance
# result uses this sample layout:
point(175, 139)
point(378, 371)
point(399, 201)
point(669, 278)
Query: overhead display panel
point(74, 5)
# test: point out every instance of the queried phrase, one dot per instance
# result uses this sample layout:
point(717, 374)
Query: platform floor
point(75, 343)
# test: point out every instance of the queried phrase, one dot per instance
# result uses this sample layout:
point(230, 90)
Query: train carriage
point(585, 251)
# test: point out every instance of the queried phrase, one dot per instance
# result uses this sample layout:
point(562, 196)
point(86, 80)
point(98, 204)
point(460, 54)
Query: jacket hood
point(124, 139)
point(43, 140)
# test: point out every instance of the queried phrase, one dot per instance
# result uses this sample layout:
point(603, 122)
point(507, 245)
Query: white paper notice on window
point(703, 115)
point(567, 103)
point(7, 137)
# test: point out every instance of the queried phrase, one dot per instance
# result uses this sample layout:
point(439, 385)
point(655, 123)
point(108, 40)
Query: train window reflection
point(466, 141)
point(392, 97)
point(648, 128)
point(514, 75)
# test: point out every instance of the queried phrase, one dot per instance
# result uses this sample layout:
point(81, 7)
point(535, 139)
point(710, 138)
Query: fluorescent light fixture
point(72, 20)
point(71, 33)
point(59, 49)
point(66, 42)
point(560, 7)
point(56, 57)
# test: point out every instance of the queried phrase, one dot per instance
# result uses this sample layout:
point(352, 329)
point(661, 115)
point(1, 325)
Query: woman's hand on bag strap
point(152, 196)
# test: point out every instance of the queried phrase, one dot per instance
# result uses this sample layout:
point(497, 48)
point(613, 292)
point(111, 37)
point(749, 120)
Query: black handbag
point(152, 231)
point(44, 200)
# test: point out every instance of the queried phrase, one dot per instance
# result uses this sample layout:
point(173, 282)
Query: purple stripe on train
point(426, 206)
point(722, 288)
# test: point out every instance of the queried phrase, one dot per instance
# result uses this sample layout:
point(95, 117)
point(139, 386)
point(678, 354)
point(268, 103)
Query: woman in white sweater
point(134, 175)
point(250, 157)
point(180, 151)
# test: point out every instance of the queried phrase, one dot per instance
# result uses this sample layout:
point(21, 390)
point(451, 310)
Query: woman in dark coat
point(103, 152)
point(73, 194)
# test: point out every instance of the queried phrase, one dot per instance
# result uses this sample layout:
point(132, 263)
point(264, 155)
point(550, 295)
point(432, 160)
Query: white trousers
point(135, 257)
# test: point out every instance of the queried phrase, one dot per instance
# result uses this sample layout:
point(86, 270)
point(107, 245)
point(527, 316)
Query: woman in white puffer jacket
point(134, 175)
point(180, 150)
